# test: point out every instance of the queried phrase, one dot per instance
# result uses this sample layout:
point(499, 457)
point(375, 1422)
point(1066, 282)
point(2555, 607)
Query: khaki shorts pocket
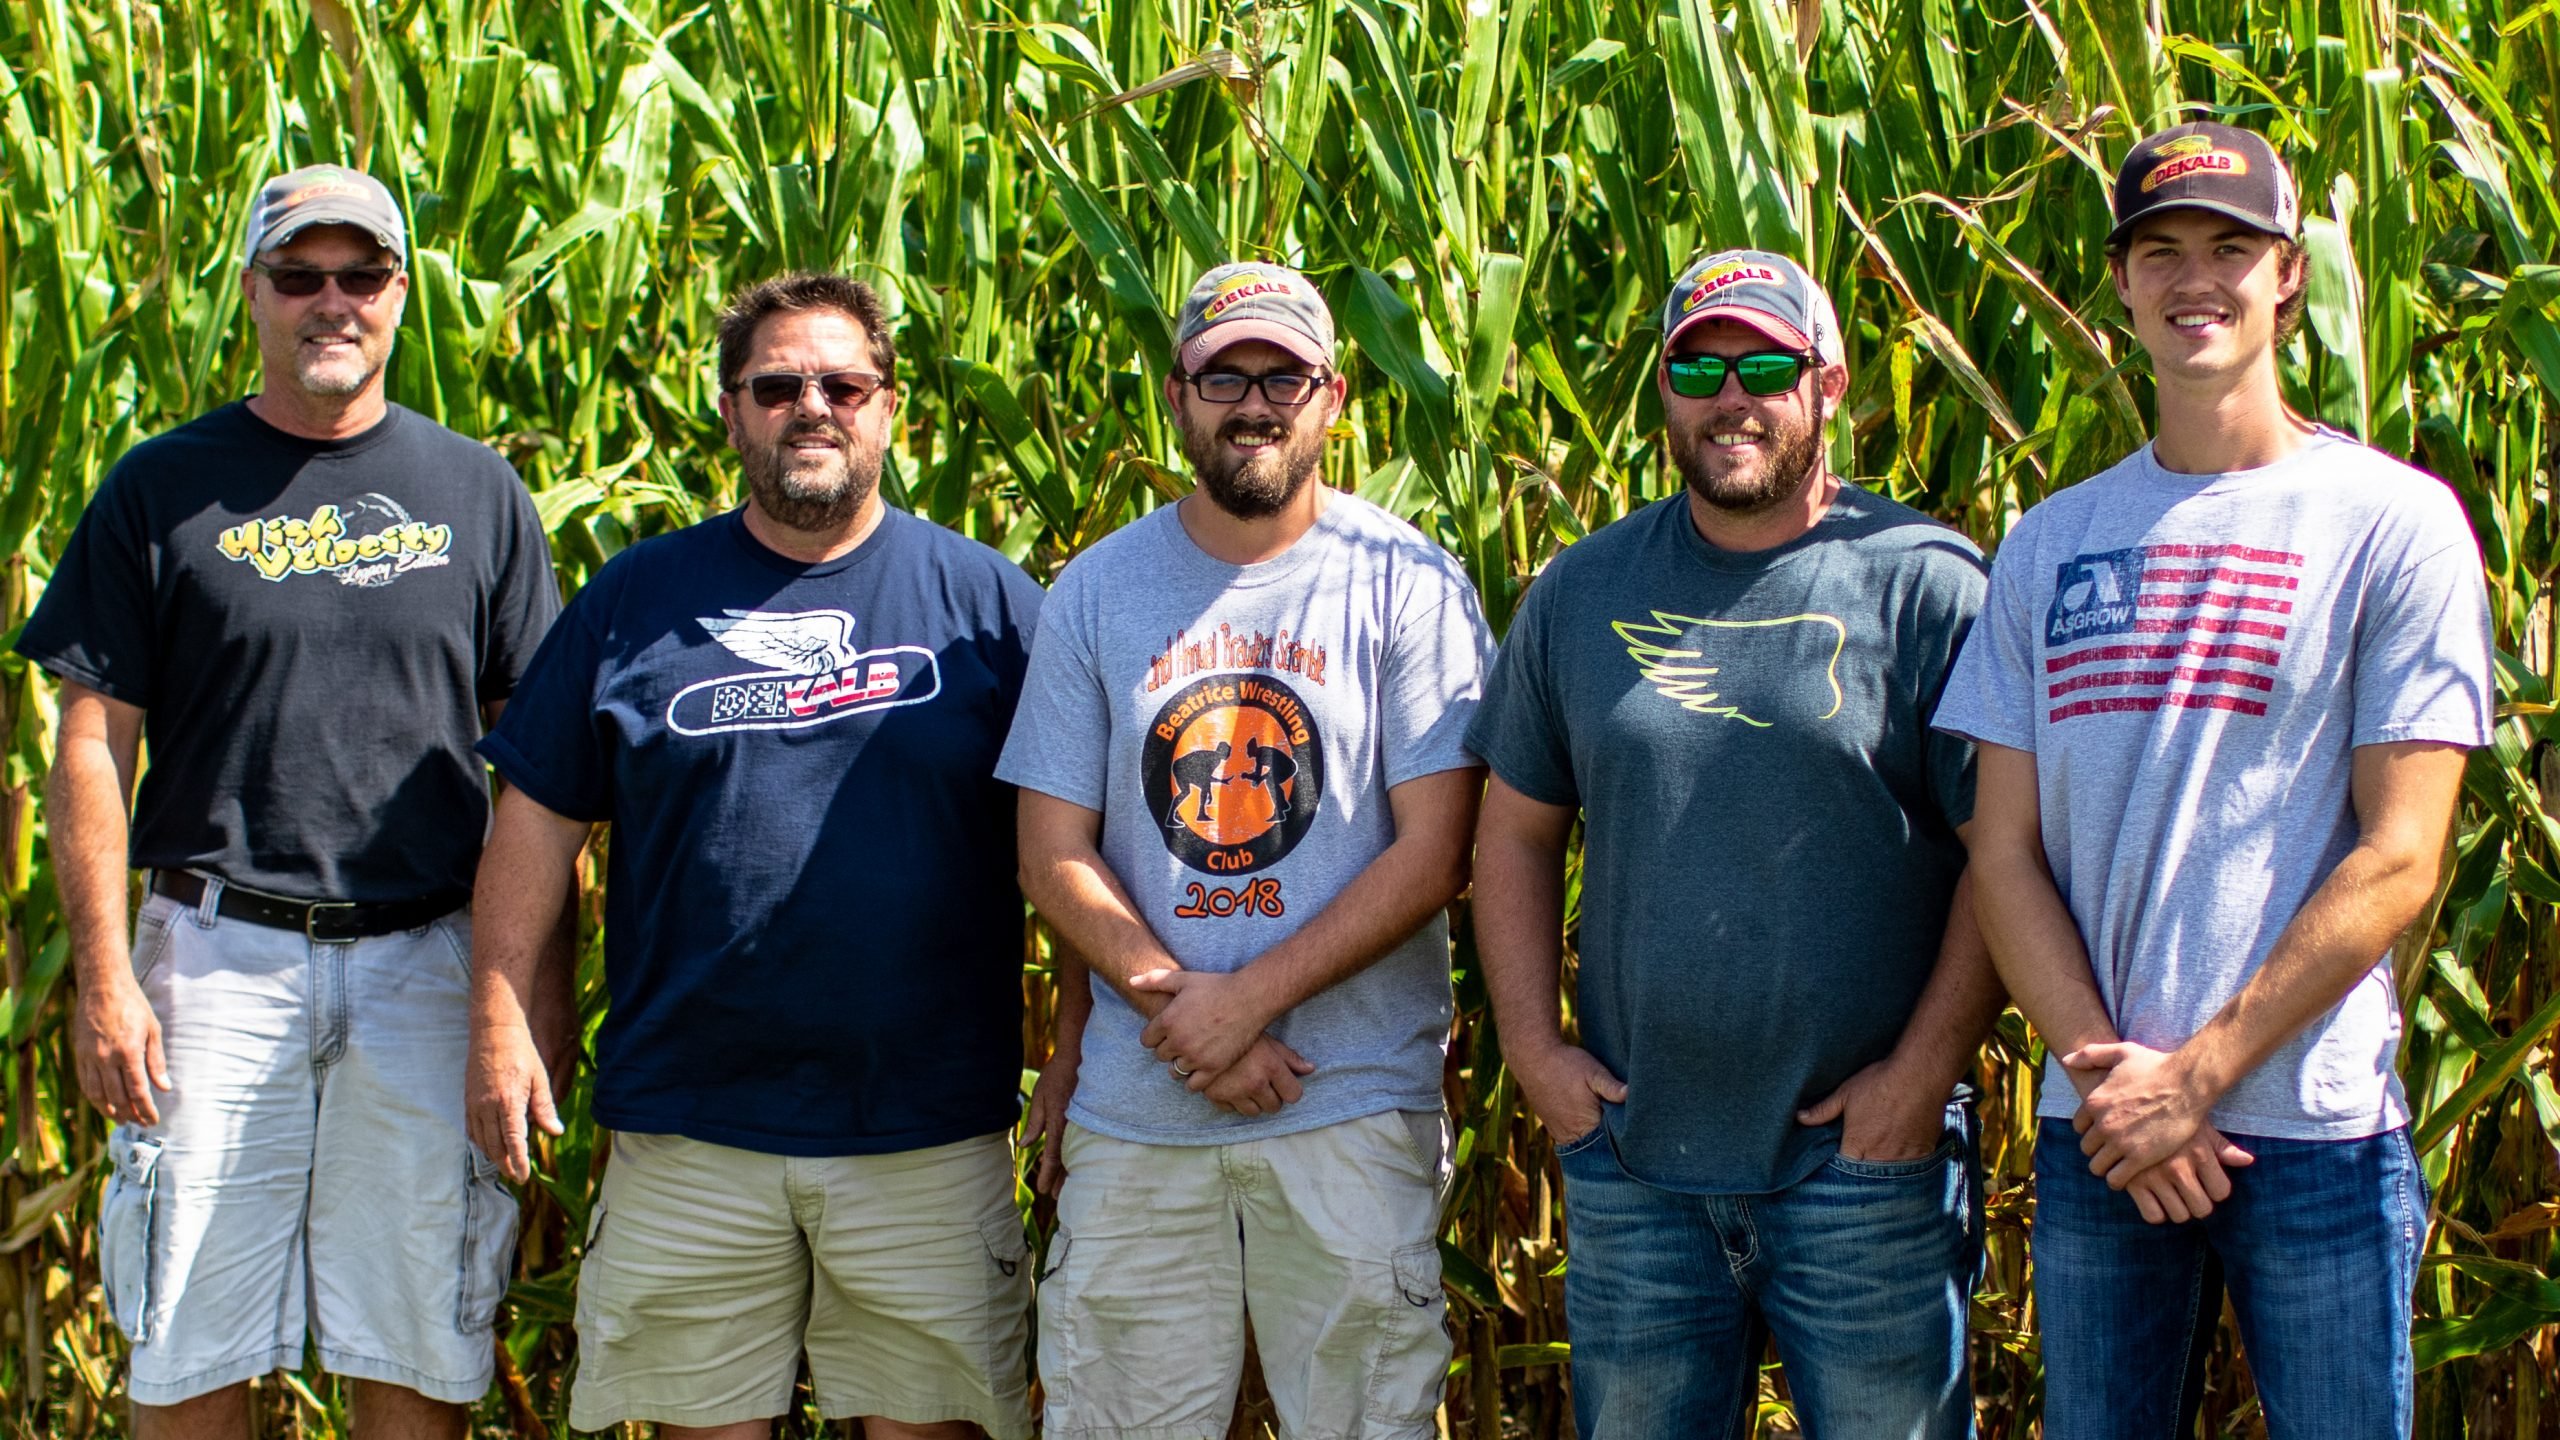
point(488, 1245)
point(1007, 1247)
point(127, 1226)
point(1417, 1270)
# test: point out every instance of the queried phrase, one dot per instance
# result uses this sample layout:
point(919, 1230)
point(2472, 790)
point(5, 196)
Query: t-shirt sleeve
point(1991, 693)
point(1061, 734)
point(1433, 679)
point(526, 599)
point(2422, 658)
point(1950, 606)
point(93, 624)
point(1516, 729)
point(549, 743)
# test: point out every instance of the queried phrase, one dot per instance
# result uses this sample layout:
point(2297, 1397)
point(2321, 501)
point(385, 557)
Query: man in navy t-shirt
point(790, 716)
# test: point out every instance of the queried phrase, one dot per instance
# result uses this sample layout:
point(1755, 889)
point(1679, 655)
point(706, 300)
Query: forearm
point(1071, 999)
point(1956, 1010)
point(2332, 943)
point(523, 918)
point(2036, 948)
point(1413, 879)
point(88, 836)
point(1084, 903)
point(1519, 930)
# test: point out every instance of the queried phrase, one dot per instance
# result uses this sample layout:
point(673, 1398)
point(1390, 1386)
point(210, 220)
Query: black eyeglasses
point(362, 282)
point(1281, 387)
point(843, 389)
point(1763, 372)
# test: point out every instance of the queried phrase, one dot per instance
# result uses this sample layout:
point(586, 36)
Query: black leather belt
point(326, 921)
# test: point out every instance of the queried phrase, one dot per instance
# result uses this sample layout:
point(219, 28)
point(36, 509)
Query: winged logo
point(1682, 676)
point(804, 642)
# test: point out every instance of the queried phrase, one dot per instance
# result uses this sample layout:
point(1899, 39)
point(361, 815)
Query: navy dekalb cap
point(322, 195)
point(2204, 166)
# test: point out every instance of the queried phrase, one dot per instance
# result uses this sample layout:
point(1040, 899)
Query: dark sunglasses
point(1281, 387)
point(843, 389)
point(363, 282)
point(1763, 372)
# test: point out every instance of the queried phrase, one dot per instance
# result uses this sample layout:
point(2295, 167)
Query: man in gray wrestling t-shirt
point(1245, 801)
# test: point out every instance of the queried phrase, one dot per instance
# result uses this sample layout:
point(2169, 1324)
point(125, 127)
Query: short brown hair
point(802, 290)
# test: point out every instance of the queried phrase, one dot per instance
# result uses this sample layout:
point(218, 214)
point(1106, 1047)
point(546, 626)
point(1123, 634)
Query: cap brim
point(1209, 342)
point(1760, 320)
point(2124, 228)
point(322, 213)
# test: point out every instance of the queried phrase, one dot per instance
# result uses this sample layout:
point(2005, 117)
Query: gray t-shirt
point(1239, 728)
point(1768, 822)
point(2191, 659)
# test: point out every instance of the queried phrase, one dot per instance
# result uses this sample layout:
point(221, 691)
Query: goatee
point(1259, 485)
point(810, 499)
point(1794, 458)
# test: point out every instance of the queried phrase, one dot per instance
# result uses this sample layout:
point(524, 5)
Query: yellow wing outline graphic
point(1691, 685)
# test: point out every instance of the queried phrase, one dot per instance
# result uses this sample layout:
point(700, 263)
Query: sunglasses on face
point(1763, 372)
point(1281, 387)
point(843, 389)
point(362, 282)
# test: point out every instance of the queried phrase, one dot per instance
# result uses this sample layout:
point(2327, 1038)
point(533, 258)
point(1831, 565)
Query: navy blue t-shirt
point(813, 933)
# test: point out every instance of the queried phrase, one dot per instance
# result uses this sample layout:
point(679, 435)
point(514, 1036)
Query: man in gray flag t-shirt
point(1246, 803)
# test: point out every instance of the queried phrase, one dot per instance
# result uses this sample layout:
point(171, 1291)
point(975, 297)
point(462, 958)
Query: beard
point(1259, 485)
point(337, 375)
point(813, 497)
point(1793, 455)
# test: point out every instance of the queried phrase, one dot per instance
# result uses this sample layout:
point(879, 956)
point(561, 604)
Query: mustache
point(824, 429)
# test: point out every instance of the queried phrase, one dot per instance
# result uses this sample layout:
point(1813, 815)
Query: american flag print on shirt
point(2201, 627)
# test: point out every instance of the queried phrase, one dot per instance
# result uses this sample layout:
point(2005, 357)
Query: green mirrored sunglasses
point(1763, 372)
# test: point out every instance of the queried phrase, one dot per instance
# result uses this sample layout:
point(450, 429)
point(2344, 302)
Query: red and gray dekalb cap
point(1766, 291)
point(2203, 166)
point(1252, 301)
point(323, 195)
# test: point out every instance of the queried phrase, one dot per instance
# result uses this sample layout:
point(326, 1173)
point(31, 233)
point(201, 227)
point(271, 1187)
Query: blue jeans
point(2319, 1245)
point(1861, 1273)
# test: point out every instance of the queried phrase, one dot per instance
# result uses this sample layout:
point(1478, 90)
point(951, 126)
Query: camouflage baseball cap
point(1253, 301)
point(1768, 292)
point(322, 195)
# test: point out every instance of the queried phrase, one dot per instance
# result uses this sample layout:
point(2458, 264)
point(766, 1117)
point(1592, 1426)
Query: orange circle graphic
point(1239, 809)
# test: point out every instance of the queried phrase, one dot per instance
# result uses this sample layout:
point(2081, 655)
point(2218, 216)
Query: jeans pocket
point(127, 1226)
point(1583, 1141)
point(488, 1246)
point(1928, 1164)
point(151, 930)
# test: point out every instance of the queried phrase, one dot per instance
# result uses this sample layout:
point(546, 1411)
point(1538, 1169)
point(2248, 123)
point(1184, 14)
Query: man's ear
point(728, 416)
point(1833, 380)
point(2115, 277)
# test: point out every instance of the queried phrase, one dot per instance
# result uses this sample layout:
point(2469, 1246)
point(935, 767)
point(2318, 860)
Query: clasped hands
point(1211, 1032)
point(2143, 1125)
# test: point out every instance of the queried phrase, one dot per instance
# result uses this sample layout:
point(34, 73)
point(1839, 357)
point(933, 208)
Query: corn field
point(1494, 194)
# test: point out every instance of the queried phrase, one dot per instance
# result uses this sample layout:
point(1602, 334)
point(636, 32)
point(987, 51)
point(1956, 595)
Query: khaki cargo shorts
point(1327, 1239)
point(709, 1270)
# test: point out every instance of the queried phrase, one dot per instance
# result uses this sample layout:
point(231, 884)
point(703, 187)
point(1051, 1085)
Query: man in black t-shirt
point(308, 602)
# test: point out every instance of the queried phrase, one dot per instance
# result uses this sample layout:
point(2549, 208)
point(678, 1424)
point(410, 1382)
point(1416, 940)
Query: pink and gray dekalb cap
point(1252, 301)
point(1768, 292)
point(323, 195)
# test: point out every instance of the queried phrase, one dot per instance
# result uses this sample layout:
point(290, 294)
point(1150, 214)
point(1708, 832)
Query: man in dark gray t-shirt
point(1781, 986)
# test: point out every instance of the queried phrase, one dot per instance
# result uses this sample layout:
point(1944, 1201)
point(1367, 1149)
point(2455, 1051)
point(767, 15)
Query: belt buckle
point(311, 922)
